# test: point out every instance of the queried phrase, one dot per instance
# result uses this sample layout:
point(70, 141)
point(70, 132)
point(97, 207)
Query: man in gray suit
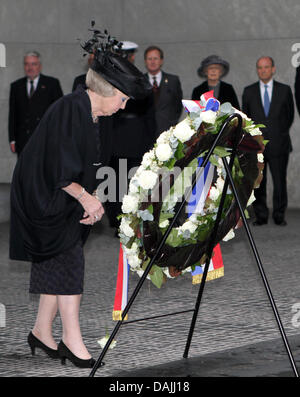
point(271, 103)
point(167, 90)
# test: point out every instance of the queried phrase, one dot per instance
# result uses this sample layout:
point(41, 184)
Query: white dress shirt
point(158, 77)
point(35, 83)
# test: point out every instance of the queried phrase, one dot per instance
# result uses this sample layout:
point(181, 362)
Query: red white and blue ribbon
point(121, 294)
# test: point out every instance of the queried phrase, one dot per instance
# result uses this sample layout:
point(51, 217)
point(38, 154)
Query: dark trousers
point(114, 208)
point(278, 168)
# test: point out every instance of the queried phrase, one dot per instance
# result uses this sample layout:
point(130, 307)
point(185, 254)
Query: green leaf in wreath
point(157, 276)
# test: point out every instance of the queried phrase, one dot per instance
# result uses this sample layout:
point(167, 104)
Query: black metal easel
point(229, 180)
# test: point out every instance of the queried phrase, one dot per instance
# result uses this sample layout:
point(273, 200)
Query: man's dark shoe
point(259, 222)
point(280, 223)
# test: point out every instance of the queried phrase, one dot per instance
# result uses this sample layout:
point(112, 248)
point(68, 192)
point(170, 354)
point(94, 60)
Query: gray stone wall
point(187, 31)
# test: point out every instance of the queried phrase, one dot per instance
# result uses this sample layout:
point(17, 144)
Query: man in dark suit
point(166, 90)
point(213, 68)
point(271, 103)
point(29, 99)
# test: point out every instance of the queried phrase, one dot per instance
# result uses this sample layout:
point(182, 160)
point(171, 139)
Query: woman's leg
point(43, 324)
point(68, 306)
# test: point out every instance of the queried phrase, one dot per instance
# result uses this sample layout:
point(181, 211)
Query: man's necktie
point(266, 101)
point(155, 89)
point(31, 91)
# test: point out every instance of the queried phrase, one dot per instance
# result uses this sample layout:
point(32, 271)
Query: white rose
point(255, 131)
point(229, 235)
point(244, 116)
point(188, 225)
point(164, 223)
point(214, 193)
point(163, 152)
point(260, 157)
point(183, 131)
point(147, 179)
point(134, 261)
point(126, 229)
point(148, 158)
point(130, 204)
point(163, 138)
point(208, 116)
point(220, 184)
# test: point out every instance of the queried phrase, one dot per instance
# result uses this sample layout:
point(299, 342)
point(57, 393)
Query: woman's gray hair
point(97, 84)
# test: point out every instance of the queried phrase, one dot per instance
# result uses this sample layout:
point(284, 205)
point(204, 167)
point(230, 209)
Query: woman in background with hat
point(213, 68)
point(52, 201)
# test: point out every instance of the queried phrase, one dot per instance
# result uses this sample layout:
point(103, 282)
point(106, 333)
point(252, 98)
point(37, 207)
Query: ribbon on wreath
point(121, 294)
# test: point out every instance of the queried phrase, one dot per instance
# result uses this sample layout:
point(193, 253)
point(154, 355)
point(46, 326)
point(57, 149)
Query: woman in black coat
point(213, 68)
point(52, 200)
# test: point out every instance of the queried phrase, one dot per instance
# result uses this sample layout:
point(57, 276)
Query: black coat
point(226, 94)
point(79, 80)
point(134, 128)
point(279, 120)
point(168, 108)
point(25, 113)
point(65, 148)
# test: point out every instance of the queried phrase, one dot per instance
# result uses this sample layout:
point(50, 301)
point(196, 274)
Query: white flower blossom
point(183, 131)
point(163, 152)
point(208, 116)
point(147, 179)
point(244, 116)
point(188, 225)
point(220, 184)
point(130, 204)
point(148, 159)
point(260, 157)
point(214, 193)
point(134, 261)
point(164, 223)
point(126, 229)
point(255, 131)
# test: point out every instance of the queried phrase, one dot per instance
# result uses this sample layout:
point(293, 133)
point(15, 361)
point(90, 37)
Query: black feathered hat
point(115, 69)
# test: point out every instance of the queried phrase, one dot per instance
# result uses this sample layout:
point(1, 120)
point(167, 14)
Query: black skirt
point(60, 275)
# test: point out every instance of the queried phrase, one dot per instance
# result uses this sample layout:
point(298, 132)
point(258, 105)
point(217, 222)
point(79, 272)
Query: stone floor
point(236, 333)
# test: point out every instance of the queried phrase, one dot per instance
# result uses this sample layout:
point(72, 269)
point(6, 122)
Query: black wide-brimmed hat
point(211, 60)
point(115, 69)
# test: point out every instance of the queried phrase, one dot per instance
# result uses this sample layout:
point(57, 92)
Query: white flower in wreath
point(244, 116)
point(183, 131)
point(125, 228)
point(214, 193)
point(164, 223)
point(220, 184)
point(148, 159)
point(147, 179)
point(134, 261)
point(164, 137)
point(260, 157)
point(255, 131)
point(130, 204)
point(208, 116)
point(188, 226)
point(163, 152)
point(229, 235)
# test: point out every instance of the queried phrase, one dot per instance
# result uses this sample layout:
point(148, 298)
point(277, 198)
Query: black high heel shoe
point(64, 353)
point(34, 342)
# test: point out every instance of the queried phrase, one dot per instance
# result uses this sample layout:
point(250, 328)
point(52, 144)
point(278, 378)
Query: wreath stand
point(229, 180)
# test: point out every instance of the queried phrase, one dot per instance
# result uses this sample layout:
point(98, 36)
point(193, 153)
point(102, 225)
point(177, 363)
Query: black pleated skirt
point(60, 275)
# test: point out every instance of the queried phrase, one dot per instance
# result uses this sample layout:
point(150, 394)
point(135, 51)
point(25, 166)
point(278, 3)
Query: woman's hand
point(93, 209)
